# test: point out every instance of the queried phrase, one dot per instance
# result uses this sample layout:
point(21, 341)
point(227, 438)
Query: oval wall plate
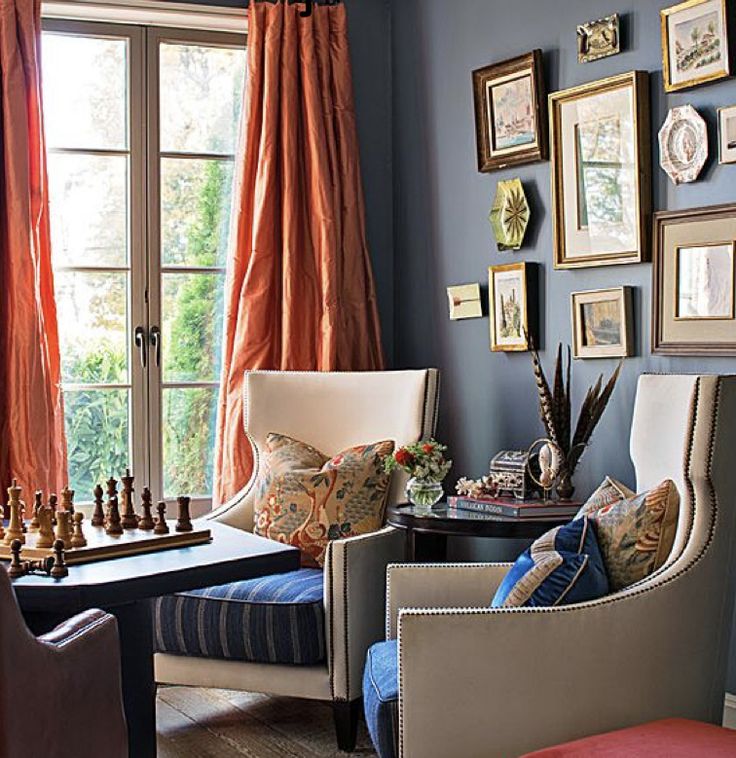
point(683, 144)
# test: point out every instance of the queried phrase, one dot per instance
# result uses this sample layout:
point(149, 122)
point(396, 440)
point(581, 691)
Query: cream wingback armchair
point(331, 411)
point(476, 681)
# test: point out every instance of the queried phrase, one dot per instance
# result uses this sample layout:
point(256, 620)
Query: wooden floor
point(199, 723)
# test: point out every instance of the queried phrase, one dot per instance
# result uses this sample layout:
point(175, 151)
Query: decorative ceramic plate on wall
point(509, 215)
point(683, 144)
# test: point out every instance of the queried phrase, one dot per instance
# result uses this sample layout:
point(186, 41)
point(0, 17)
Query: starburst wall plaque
point(509, 215)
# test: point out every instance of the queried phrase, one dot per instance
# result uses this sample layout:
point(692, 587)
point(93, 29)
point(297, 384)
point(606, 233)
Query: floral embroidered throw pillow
point(305, 498)
point(608, 493)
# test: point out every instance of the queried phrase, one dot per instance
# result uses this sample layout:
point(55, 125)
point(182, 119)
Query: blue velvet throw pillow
point(563, 566)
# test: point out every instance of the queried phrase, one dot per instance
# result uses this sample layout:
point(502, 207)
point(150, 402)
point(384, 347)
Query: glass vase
point(423, 493)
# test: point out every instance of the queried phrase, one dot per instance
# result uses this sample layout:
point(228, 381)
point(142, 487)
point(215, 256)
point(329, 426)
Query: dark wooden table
point(125, 587)
point(427, 531)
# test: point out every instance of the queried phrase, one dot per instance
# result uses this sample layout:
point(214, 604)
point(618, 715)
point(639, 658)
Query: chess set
point(57, 536)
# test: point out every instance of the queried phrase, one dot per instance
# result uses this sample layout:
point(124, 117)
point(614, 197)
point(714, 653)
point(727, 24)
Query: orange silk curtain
point(300, 292)
point(32, 443)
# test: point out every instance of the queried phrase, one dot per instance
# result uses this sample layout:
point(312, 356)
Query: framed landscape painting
point(512, 306)
point(695, 45)
point(602, 324)
point(510, 112)
point(601, 172)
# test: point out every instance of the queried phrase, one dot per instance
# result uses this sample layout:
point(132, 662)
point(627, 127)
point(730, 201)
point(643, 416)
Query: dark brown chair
point(60, 694)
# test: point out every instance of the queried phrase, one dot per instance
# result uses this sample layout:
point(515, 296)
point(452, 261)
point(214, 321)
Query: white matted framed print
point(727, 134)
point(512, 296)
point(601, 172)
point(602, 324)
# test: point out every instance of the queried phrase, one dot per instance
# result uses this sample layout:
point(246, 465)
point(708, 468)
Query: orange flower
point(404, 457)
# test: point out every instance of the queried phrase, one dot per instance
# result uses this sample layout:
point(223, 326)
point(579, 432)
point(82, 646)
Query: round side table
point(427, 531)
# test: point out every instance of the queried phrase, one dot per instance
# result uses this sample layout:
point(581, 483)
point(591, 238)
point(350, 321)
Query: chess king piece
point(78, 538)
point(64, 528)
point(59, 570)
point(146, 522)
point(184, 522)
point(98, 517)
point(17, 567)
point(37, 505)
point(113, 527)
point(16, 508)
point(129, 518)
point(45, 528)
point(161, 526)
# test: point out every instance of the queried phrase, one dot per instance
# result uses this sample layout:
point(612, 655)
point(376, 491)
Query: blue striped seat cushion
point(381, 696)
point(271, 619)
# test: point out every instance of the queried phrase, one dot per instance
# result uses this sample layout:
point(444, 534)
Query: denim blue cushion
point(563, 566)
point(270, 619)
point(381, 696)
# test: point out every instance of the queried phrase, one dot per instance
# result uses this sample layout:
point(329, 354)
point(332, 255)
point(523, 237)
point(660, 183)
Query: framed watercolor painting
point(727, 134)
point(510, 112)
point(512, 295)
point(601, 172)
point(694, 282)
point(602, 325)
point(695, 47)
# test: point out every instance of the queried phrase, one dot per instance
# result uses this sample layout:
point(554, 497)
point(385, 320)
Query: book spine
point(479, 506)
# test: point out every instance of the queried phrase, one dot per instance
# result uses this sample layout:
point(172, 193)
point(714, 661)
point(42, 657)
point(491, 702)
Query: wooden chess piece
point(59, 570)
point(161, 526)
point(45, 528)
point(113, 526)
point(64, 528)
point(184, 522)
point(146, 522)
point(78, 538)
point(53, 500)
point(2, 528)
point(16, 568)
point(112, 487)
point(37, 505)
point(67, 499)
point(15, 505)
point(129, 518)
point(98, 517)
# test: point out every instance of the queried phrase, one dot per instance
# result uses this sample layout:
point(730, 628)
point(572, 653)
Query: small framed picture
point(512, 306)
point(602, 324)
point(464, 301)
point(727, 134)
point(694, 43)
point(599, 39)
point(694, 282)
point(510, 112)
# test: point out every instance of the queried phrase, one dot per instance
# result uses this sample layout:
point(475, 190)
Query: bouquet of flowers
point(424, 460)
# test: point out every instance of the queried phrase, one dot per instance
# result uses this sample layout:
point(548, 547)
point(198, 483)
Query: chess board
point(102, 546)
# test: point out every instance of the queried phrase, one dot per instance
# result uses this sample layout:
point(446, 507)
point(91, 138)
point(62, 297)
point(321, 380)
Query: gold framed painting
point(601, 172)
point(510, 112)
point(602, 324)
point(695, 47)
point(694, 282)
point(512, 304)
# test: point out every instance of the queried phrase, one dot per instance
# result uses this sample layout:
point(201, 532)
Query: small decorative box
point(508, 472)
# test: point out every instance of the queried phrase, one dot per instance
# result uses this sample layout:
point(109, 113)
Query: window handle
point(156, 342)
point(139, 337)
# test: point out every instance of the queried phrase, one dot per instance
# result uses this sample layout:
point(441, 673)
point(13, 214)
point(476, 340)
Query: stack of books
point(508, 508)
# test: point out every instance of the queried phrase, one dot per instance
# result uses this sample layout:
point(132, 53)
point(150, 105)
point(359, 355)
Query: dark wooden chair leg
point(346, 715)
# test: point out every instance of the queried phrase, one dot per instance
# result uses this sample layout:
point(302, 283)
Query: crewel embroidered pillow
point(305, 498)
point(608, 493)
point(563, 566)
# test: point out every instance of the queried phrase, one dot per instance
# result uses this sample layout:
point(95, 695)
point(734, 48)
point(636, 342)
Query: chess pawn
point(16, 568)
point(161, 526)
point(78, 538)
point(16, 507)
point(184, 522)
point(53, 500)
point(45, 528)
point(59, 570)
point(113, 527)
point(64, 528)
point(129, 518)
point(98, 517)
point(146, 522)
point(37, 505)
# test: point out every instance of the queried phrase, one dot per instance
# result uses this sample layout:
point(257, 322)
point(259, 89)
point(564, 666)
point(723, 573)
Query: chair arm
point(92, 622)
point(355, 591)
point(527, 678)
point(440, 585)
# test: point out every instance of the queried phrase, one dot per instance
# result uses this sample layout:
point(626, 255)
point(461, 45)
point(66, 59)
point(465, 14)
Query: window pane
point(85, 91)
point(189, 417)
point(88, 201)
point(192, 327)
point(97, 423)
point(201, 93)
point(92, 311)
point(195, 211)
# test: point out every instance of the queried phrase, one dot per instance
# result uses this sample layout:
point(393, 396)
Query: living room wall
point(442, 235)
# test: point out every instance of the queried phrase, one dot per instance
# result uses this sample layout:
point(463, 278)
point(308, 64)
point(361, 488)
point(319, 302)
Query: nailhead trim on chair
point(618, 597)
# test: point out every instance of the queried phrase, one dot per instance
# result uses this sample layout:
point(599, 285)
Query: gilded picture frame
point(602, 323)
point(601, 185)
point(512, 306)
point(510, 112)
point(599, 39)
point(695, 43)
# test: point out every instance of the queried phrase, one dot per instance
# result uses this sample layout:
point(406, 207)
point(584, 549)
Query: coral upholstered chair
point(481, 681)
point(331, 616)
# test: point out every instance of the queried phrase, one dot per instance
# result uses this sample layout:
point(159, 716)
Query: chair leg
point(346, 714)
